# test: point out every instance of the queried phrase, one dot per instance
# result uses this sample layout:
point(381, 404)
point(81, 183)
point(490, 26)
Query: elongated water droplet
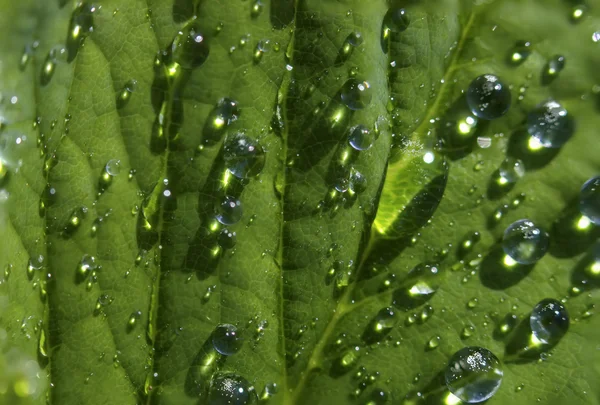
point(133, 319)
point(356, 94)
point(395, 20)
point(74, 221)
point(357, 182)
point(189, 49)
point(87, 264)
point(226, 339)
point(244, 157)
point(525, 242)
point(550, 124)
point(520, 52)
point(81, 24)
point(488, 97)
point(507, 324)
point(589, 200)
point(125, 94)
point(384, 321)
point(549, 321)
point(256, 8)
point(473, 374)
point(230, 388)
point(419, 286)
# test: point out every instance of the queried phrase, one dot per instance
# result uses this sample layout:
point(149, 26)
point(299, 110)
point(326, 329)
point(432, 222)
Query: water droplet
point(227, 239)
point(356, 94)
point(226, 339)
point(549, 321)
point(433, 343)
point(360, 137)
point(125, 94)
point(113, 167)
point(550, 124)
point(589, 200)
point(596, 36)
point(520, 52)
point(87, 264)
point(511, 169)
point(74, 221)
point(256, 8)
point(395, 20)
point(269, 391)
point(578, 12)
point(473, 374)
point(467, 332)
point(553, 67)
point(525, 242)
point(229, 211)
point(28, 51)
point(189, 48)
point(419, 286)
point(384, 321)
point(81, 24)
point(469, 242)
point(133, 319)
point(357, 183)
point(507, 324)
point(244, 157)
point(472, 303)
point(230, 388)
point(488, 97)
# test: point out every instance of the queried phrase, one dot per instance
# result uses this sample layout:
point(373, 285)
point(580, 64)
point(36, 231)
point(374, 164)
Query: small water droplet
point(189, 49)
point(229, 211)
point(525, 242)
point(256, 8)
point(133, 319)
point(507, 324)
point(230, 388)
point(360, 137)
point(488, 97)
point(356, 94)
point(467, 332)
point(549, 321)
point(553, 67)
point(227, 239)
point(433, 343)
point(226, 339)
point(472, 303)
point(244, 157)
point(473, 374)
point(589, 200)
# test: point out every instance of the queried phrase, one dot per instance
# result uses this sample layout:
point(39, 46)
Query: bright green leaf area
point(311, 267)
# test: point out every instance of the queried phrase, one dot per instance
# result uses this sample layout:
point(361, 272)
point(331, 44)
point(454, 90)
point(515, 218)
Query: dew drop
point(419, 286)
point(395, 20)
point(549, 321)
point(525, 242)
point(226, 339)
point(357, 182)
point(87, 264)
point(356, 94)
point(384, 321)
point(553, 67)
point(227, 239)
point(244, 157)
point(473, 374)
point(360, 138)
point(74, 221)
point(125, 94)
point(488, 97)
point(550, 124)
point(133, 319)
point(578, 12)
point(189, 48)
point(519, 53)
point(433, 343)
point(256, 8)
point(511, 170)
point(589, 200)
point(507, 324)
point(467, 332)
point(229, 211)
point(81, 24)
point(268, 392)
point(231, 389)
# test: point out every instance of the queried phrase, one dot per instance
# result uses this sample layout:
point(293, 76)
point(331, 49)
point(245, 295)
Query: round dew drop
point(113, 167)
point(589, 200)
point(396, 20)
point(488, 97)
point(473, 374)
point(549, 321)
point(229, 211)
point(226, 339)
point(231, 389)
point(511, 169)
point(550, 123)
point(525, 242)
point(360, 137)
point(227, 239)
point(356, 94)
point(244, 157)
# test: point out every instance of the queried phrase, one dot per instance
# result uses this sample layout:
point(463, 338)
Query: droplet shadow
point(572, 233)
point(204, 365)
point(523, 146)
point(522, 347)
point(498, 273)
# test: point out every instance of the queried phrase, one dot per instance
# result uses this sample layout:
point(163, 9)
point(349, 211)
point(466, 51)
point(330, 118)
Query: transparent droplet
point(488, 97)
point(133, 319)
point(269, 391)
point(125, 94)
point(553, 67)
point(511, 169)
point(230, 389)
point(227, 239)
point(589, 200)
point(433, 343)
point(549, 321)
point(256, 8)
point(360, 137)
point(74, 221)
point(420, 285)
point(226, 339)
point(86, 266)
point(473, 374)
point(520, 52)
point(356, 94)
point(467, 332)
point(189, 48)
point(395, 20)
point(229, 211)
point(357, 182)
point(550, 124)
point(113, 167)
point(578, 12)
point(244, 157)
point(525, 242)
point(80, 25)
point(384, 321)
point(507, 324)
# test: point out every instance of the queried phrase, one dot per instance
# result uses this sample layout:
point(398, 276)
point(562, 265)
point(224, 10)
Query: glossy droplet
point(356, 94)
point(511, 169)
point(189, 48)
point(467, 332)
point(488, 97)
point(360, 138)
point(553, 67)
point(256, 8)
point(226, 339)
point(4, 173)
point(589, 200)
point(384, 321)
point(578, 12)
point(74, 221)
point(357, 182)
point(230, 389)
point(550, 124)
point(549, 321)
point(525, 242)
point(35, 264)
point(225, 112)
point(133, 319)
point(395, 20)
point(244, 157)
point(473, 374)
point(419, 286)
point(86, 266)
point(433, 343)
point(269, 391)
point(81, 24)
point(520, 52)
point(27, 54)
point(229, 211)
point(227, 239)
point(113, 167)
point(125, 94)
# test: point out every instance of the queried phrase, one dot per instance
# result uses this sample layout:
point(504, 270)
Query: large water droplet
point(231, 389)
point(226, 339)
point(549, 321)
point(525, 242)
point(488, 97)
point(395, 20)
point(244, 157)
point(81, 24)
point(356, 94)
point(474, 374)
point(589, 200)
point(361, 138)
point(189, 48)
point(550, 123)
point(511, 169)
point(229, 211)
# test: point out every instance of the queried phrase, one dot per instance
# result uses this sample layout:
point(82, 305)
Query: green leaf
point(117, 151)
